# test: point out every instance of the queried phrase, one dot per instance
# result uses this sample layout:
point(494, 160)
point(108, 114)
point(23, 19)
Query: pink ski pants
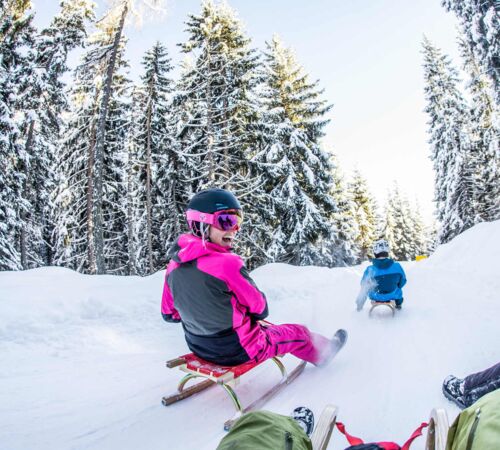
point(294, 339)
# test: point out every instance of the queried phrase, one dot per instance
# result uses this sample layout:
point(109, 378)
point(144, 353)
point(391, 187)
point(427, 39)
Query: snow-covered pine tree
point(419, 234)
point(296, 171)
point(216, 113)
point(398, 229)
point(178, 174)
point(153, 156)
point(40, 102)
point(217, 86)
point(485, 135)
point(479, 23)
point(450, 144)
point(432, 240)
point(365, 214)
point(115, 232)
point(111, 30)
point(132, 168)
point(344, 249)
point(96, 87)
point(102, 64)
point(16, 33)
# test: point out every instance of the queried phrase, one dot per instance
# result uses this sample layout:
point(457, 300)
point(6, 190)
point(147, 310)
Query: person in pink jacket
point(209, 290)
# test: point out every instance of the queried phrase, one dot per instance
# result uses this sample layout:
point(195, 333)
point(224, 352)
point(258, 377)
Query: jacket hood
point(383, 263)
point(189, 247)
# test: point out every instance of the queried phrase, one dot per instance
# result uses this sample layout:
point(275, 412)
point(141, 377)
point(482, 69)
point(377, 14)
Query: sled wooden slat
point(438, 430)
point(188, 392)
point(175, 362)
point(323, 429)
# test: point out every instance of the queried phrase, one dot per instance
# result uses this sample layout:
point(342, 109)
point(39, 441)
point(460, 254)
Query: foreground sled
point(391, 305)
point(225, 377)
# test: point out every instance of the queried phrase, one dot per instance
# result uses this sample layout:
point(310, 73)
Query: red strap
point(387, 445)
point(352, 440)
point(416, 434)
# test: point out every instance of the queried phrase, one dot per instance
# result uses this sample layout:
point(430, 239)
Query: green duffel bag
point(477, 427)
point(264, 430)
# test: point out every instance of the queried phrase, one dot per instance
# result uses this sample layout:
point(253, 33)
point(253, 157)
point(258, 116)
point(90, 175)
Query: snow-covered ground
point(82, 358)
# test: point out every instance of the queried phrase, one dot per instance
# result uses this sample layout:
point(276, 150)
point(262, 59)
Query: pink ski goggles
point(228, 220)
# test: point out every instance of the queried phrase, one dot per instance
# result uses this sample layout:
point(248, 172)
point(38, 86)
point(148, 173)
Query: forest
point(96, 172)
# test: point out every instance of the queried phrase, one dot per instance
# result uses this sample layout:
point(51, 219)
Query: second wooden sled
point(227, 377)
point(391, 304)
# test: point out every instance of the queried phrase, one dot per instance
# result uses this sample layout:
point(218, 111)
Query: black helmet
point(213, 200)
point(210, 201)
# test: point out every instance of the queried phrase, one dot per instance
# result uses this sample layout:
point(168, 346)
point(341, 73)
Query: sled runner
point(225, 377)
point(391, 305)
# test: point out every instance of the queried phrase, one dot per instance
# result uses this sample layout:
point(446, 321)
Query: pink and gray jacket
point(209, 289)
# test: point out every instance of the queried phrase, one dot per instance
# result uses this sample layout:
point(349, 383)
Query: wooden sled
point(391, 304)
point(225, 377)
point(437, 431)
point(323, 429)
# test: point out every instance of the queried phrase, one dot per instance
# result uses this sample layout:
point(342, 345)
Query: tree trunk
point(24, 234)
point(130, 217)
point(210, 137)
point(148, 183)
point(99, 146)
point(90, 203)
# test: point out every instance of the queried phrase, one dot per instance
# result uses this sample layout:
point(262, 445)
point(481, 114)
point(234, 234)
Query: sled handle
point(175, 362)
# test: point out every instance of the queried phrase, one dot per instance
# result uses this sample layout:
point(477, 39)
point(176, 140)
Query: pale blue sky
point(366, 54)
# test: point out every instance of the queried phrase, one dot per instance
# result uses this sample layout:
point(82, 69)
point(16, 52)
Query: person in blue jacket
point(383, 280)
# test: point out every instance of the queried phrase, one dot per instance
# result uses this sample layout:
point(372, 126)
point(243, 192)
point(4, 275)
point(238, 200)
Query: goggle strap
point(197, 216)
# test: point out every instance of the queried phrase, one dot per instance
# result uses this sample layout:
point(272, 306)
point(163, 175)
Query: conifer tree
point(365, 214)
point(16, 32)
point(420, 239)
point(344, 249)
point(178, 175)
point(404, 227)
point(398, 229)
point(216, 112)
point(296, 170)
point(217, 85)
point(450, 144)
point(98, 73)
point(87, 169)
point(484, 135)
point(479, 23)
point(153, 157)
point(40, 104)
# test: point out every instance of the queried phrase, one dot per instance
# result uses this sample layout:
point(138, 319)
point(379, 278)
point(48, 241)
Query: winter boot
point(304, 418)
point(453, 389)
point(336, 343)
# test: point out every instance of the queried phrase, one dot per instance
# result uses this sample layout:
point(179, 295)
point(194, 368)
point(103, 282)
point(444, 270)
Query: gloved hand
point(360, 302)
point(170, 318)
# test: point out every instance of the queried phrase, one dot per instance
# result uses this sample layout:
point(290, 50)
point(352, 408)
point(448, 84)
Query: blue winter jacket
point(383, 280)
